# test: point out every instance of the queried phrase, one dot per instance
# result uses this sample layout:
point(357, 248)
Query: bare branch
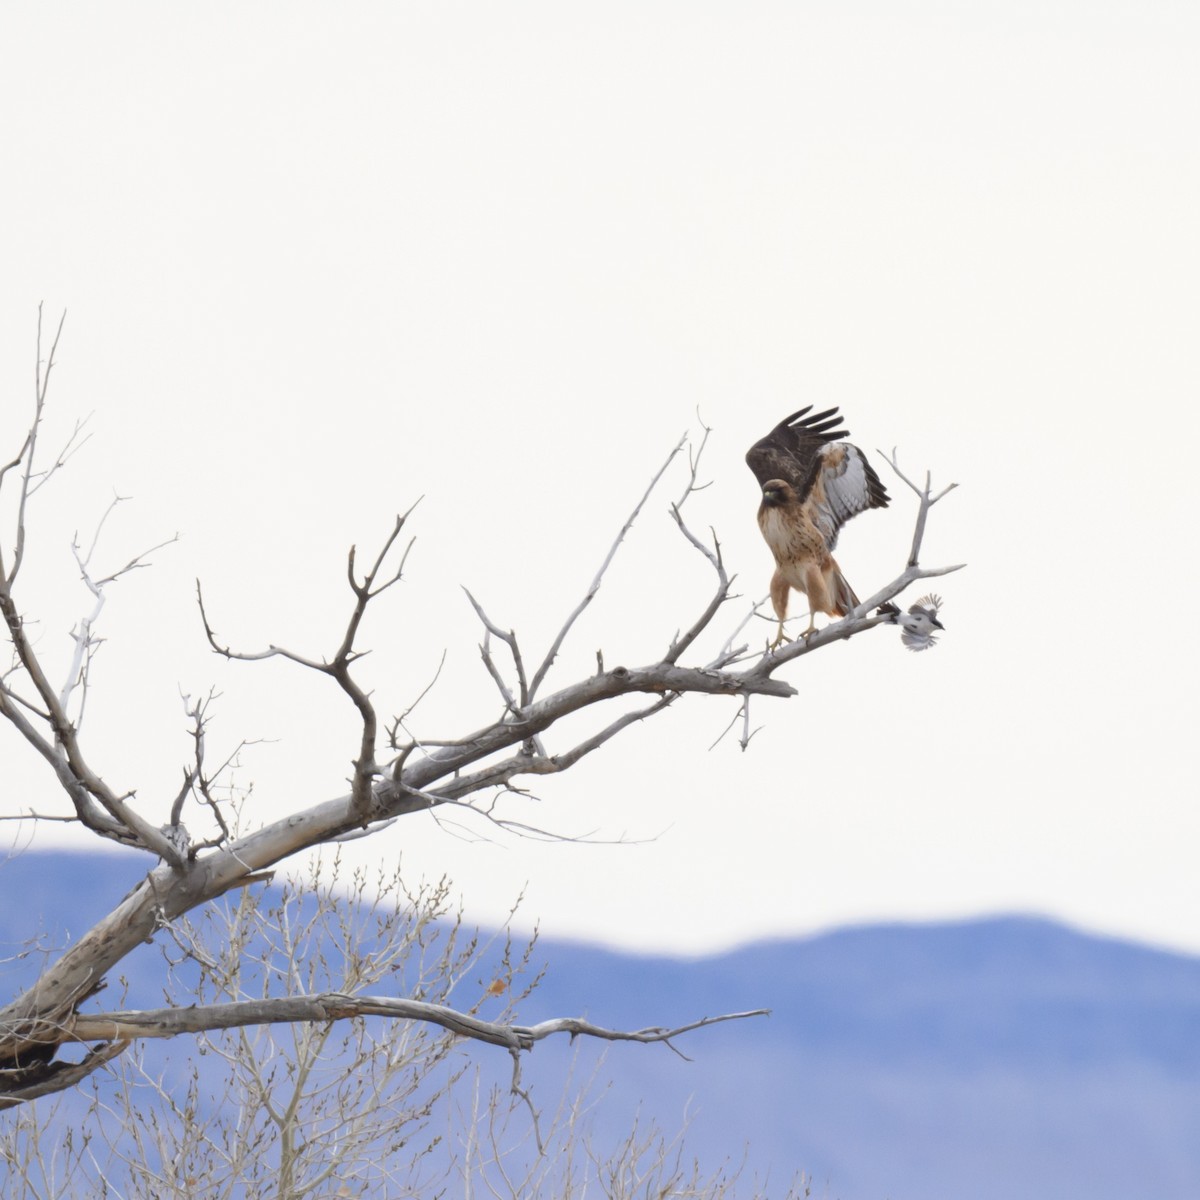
point(510, 640)
point(71, 447)
point(523, 1094)
point(59, 743)
point(41, 384)
point(713, 556)
point(526, 829)
point(196, 779)
point(137, 563)
point(86, 810)
point(485, 653)
point(927, 502)
point(719, 597)
point(335, 1006)
point(694, 457)
point(571, 757)
point(251, 656)
point(79, 781)
point(56, 1077)
point(398, 722)
point(747, 732)
point(365, 767)
point(17, 460)
point(86, 644)
point(732, 722)
point(552, 653)
point(353, 835)
point(30, 815)
point(367, 591)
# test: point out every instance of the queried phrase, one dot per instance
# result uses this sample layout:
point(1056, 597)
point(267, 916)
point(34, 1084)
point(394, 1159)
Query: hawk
point(812, 485)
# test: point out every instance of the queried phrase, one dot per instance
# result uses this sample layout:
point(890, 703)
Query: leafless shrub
point(362, 1107)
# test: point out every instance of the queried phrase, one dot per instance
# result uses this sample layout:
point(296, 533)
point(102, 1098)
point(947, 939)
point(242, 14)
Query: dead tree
point(199, 856)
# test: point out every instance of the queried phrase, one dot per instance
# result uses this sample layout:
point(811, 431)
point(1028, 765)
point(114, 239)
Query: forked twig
point(366, 770)
point(514, 704)
point(927, 501)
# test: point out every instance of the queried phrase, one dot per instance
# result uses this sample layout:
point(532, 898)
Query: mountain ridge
point(978, 1058)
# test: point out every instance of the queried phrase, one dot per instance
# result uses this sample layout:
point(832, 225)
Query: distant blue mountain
point(978, 1060)
point(997, 1058)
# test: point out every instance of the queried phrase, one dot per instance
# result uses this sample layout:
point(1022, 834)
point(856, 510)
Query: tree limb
point(336, 1006)
point(55, 1076)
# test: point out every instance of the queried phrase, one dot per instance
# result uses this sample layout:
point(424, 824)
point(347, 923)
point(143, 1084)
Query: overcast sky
point(322, 260)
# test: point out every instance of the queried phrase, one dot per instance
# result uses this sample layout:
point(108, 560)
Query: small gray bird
point(917, 625)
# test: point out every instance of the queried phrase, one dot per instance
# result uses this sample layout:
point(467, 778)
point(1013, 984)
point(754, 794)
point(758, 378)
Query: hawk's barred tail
point(842, 593)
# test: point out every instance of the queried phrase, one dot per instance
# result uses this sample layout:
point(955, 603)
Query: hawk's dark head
point(776, 492)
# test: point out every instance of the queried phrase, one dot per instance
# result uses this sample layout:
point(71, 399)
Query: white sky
point(322, 260)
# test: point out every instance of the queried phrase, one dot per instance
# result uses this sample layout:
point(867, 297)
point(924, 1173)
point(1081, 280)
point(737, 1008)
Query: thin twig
point(552, 653)
point(398, 722)
point(510, 640)
point(694, 457)
point(30, 815)
point(41, 384)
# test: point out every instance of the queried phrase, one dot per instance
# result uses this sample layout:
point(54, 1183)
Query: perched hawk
point(811, 486)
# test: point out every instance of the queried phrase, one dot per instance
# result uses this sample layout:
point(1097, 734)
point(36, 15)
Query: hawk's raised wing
point(791, 451)
point(844, 484)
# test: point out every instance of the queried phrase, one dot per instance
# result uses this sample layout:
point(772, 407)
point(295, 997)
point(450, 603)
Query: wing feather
point(791, 451)
point(844, 485)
